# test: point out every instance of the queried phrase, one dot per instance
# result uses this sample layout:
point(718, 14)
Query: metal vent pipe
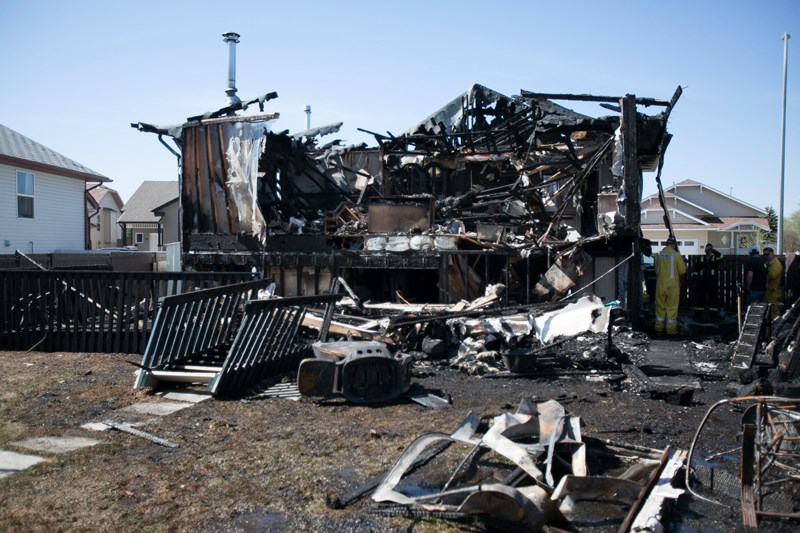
point(231, 38)
point(307, 110)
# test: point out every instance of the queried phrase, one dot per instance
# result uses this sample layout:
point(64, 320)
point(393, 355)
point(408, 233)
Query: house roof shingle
point(15, 146)
point(149, 196)
point(98, 193)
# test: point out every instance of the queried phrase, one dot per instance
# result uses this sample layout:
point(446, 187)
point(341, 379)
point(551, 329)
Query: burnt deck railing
point(268, 341)
point(90, 311)
point(191, 325)
point(226, 338)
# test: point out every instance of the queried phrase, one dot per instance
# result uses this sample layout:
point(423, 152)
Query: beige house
point(104, 211)
point(150, 219)
point(700, 214)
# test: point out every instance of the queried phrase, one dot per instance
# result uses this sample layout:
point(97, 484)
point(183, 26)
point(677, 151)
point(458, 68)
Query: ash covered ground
point(250, 463)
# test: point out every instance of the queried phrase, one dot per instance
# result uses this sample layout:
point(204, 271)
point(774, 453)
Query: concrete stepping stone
point(184, 396)
point(156, 408)
point(12, 462)
point(55, 444)
point(95, 426)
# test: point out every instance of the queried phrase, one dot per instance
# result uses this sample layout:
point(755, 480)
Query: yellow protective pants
point(667, 300)
point(773, 296)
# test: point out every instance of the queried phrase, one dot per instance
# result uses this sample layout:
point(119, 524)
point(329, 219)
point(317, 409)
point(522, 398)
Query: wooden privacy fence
point(730, 273)
point(81, 311)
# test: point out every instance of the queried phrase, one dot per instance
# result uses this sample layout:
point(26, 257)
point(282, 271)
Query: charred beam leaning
point(632, 178)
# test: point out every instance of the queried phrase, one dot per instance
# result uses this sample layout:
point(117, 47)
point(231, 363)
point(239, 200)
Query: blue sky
point(77, 73)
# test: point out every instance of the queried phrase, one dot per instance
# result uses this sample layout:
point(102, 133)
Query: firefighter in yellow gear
point(772, 294)
point(670, 270)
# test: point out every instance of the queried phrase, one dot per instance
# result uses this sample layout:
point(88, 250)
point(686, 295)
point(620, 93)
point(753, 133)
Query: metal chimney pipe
point(307, 110)
point(231, 38)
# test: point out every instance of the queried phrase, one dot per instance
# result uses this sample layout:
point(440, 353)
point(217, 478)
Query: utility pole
point(785, 39)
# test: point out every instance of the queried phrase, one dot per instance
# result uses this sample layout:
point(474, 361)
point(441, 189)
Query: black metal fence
point(97, 311)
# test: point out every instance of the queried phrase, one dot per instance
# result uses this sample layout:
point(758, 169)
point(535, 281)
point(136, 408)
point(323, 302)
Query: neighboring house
point(43, 198)
point(150, 218)
point(105, 210)
point(700, 214)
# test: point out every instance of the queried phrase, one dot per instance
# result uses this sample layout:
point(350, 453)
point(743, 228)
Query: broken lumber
point(139, 433)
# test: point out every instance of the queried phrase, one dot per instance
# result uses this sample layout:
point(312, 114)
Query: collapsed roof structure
point(488, 189)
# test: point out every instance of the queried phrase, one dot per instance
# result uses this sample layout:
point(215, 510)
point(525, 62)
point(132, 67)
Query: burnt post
point(632, 185)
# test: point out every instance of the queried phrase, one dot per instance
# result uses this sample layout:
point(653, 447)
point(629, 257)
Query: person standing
point(755, 280)
point(670, 270)
point(772, 292)
point(704, 278)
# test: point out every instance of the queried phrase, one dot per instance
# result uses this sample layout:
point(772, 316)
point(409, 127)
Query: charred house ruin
point(490, 189)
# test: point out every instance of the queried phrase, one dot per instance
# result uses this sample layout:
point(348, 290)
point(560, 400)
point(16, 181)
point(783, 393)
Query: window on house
point(139, 238)
point(680, 243)
point(24, 194)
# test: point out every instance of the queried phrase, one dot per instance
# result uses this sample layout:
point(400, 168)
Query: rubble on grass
point(527, 468)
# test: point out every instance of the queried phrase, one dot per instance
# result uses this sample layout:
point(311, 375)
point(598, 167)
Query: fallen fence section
point(225, 337)
point(89, 311)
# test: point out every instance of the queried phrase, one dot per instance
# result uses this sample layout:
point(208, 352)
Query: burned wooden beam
point(592, 98)
point(632, 184)
point(649, 516)
point(747, 477)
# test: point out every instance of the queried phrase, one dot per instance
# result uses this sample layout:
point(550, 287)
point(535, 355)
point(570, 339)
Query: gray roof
point(98, 193)
point(15, 145)
point(149, 195)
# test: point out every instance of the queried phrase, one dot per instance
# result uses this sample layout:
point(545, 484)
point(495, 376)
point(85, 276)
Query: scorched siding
point(59, 211)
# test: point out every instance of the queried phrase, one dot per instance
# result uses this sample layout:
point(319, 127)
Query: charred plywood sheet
point(391, 215)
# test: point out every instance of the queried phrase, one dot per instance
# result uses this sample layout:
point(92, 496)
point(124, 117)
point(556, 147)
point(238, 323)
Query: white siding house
point(42, 197)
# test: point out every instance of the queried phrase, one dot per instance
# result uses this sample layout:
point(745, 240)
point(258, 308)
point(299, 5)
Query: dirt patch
point(249, 464)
